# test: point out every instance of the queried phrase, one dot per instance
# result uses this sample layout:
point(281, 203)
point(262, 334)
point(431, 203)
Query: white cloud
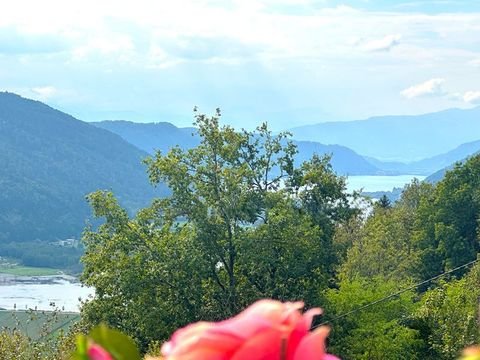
point(432, 87)
point(386, 43)
point(472, 97)
point(299, 52)
point(474, 62)
point(44, 92)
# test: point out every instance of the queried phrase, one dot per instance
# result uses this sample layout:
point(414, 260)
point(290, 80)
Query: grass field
point(37, 324)
point(27, 270)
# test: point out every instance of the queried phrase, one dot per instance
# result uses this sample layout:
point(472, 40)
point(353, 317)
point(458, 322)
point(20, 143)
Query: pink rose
point(267, 330)
point(96, 352)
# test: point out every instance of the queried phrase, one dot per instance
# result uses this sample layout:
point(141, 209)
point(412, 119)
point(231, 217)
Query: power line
point(360, 308)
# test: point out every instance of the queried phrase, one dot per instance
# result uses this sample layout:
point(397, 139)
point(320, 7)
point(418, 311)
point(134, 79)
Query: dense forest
point(244, 222)
point(50, 161)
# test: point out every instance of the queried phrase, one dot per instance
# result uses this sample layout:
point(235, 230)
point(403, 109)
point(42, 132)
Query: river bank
point(62, 292)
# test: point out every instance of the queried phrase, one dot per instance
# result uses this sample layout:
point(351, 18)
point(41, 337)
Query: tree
point(241, 223)
point(380, 331)
point(384, 202)
point(448, 316)
point(147, 273)
point(383, 245)
point(446, 231)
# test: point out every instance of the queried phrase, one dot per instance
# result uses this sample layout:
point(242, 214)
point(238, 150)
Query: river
point(42, 292)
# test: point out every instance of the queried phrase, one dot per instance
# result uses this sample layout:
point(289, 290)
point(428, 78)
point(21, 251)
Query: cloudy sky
point(288, 62)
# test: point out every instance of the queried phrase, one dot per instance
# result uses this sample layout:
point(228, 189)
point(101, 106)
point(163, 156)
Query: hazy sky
point(288, 62)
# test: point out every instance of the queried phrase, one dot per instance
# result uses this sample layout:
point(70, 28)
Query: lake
point(24, 292)
point(379, 183)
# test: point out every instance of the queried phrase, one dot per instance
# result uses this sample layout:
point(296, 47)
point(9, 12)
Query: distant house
point(67, 243)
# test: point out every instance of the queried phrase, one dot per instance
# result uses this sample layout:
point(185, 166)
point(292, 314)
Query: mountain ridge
point(50, 161)
point(161, 136)
point(396, 137)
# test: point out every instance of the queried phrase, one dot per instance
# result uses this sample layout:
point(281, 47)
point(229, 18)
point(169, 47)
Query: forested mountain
point(438, 175)
point(399, 138)
point(49, 161)
point(344, 160)
point(430, 165)
point(163, 136)
point(152, 136)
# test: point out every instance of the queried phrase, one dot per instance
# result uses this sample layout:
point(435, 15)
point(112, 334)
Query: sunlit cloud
point(386, 43)
point(44, 92)
point(475, 62)
point(252, 57)
point(433, 87)
point(472, 97)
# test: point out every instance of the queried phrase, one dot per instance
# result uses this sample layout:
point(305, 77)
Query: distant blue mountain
point(163, 136)
point(152, 136)
point(399, 138)
point(429, 165)
point(472, 148)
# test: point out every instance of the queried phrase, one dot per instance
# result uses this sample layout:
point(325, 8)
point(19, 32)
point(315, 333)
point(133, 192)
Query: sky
point(287, 62)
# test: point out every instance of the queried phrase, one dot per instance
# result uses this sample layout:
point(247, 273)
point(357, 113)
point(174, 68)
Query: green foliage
point(446, 231)
point(120, 346)
point(283, 258)
point(379, 331)
point(147, 275)
point(384, 202)
point(242, 223)
point(43, 254)
point(245, 222)
point(383, 245)
point(37, 335)
point(449, 316)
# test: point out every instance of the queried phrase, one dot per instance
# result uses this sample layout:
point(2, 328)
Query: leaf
point(119, 345)
point(81, 351)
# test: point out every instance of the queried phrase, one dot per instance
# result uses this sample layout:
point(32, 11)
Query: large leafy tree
point(241, 223)
point(147, 277)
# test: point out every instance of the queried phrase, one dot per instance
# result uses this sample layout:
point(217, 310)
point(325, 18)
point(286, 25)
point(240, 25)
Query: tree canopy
point(242, 223)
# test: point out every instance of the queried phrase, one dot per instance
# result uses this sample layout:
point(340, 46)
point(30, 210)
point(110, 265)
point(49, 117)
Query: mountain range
point(49, 162)
point(429, 165)
point(163, 136)
point(399, 138)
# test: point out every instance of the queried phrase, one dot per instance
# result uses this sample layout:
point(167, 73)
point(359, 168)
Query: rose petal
point(265, 346)
point(263, 315)
point(312, 346)
point(201, 335)
point(329, 357)
point(96, 352)
point(300, 331)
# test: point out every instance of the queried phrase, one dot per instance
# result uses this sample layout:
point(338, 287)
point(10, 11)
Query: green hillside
point(37, 324)
point(50, 161)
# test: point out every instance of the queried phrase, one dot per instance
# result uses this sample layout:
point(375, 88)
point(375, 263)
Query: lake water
point(379, 183)
point(40, 292)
